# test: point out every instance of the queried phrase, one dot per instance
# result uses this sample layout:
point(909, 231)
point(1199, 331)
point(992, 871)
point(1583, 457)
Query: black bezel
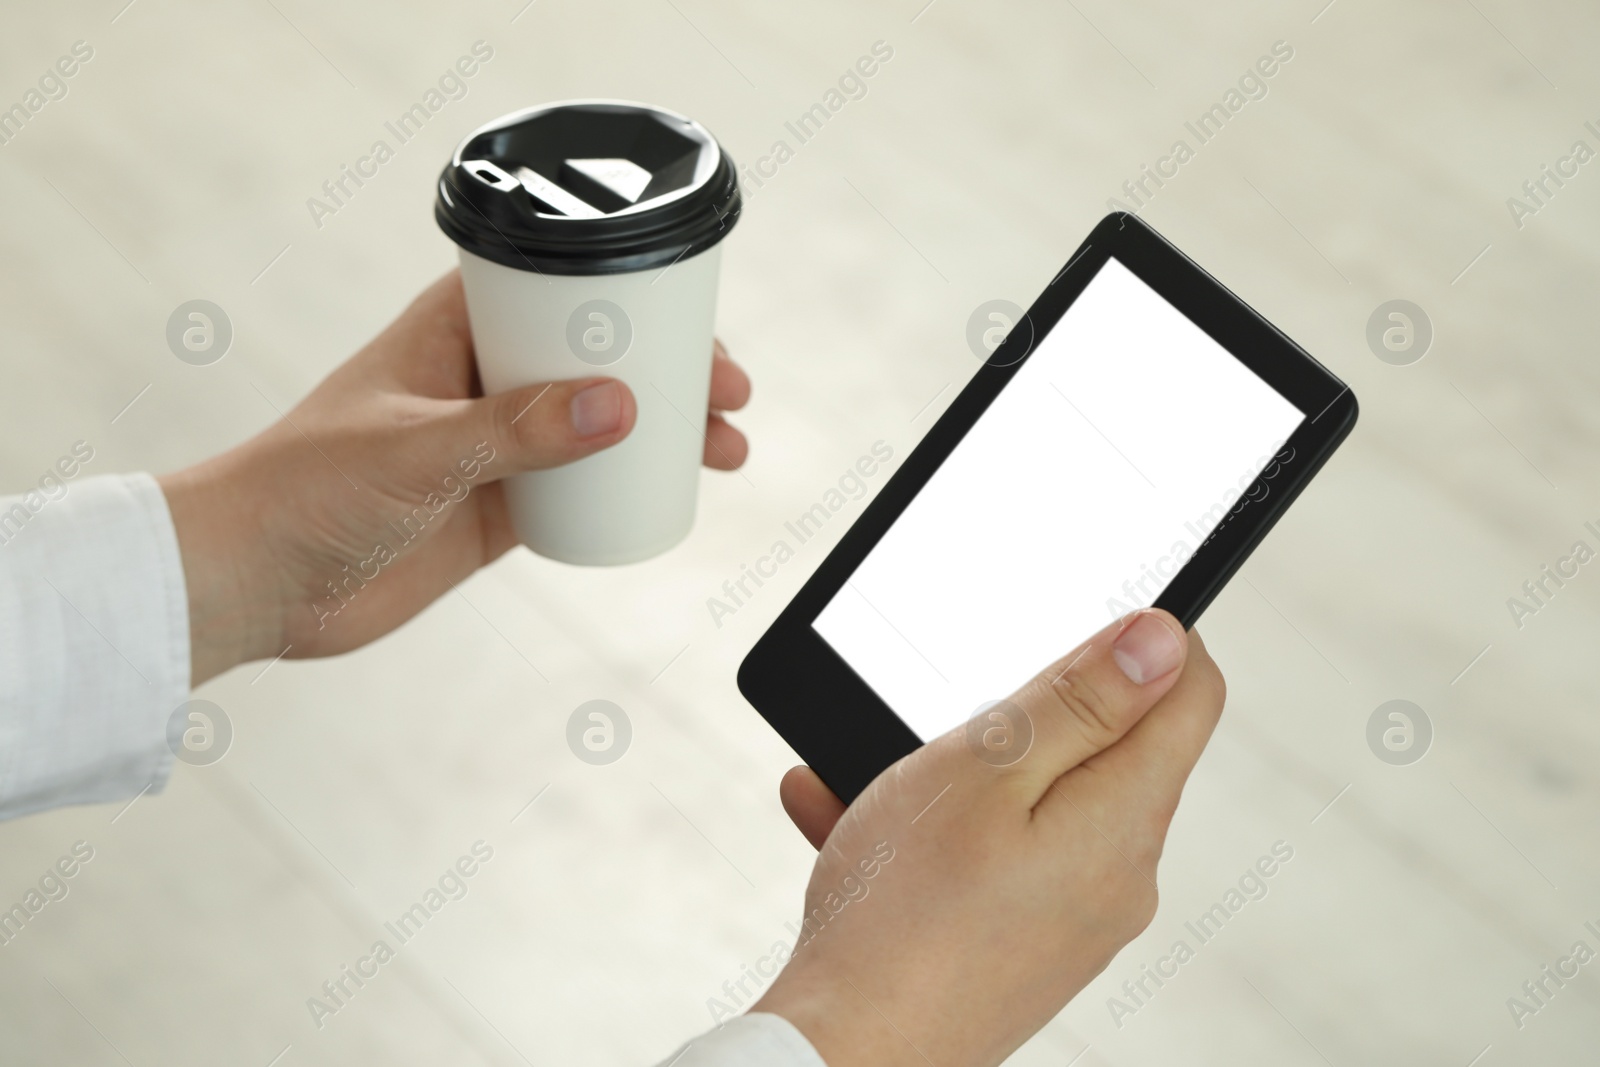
point(817, 702)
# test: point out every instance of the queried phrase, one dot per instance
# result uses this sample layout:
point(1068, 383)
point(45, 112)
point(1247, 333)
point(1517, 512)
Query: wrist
point(844, 1028)
point(233, 617)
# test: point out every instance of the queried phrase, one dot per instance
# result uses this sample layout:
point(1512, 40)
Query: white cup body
point(636, 499)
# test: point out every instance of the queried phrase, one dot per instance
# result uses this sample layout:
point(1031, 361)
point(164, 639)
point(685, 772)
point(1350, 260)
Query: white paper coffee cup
point(589, 241)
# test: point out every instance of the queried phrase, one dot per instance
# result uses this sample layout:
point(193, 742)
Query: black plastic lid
point(588, 187)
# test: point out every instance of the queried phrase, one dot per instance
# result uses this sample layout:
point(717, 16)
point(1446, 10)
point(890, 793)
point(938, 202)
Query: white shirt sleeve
point(94, 643)
point(94, 659)
point(757, 1039)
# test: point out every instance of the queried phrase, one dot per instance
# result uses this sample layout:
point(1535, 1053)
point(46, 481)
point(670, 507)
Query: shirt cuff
point(94, 642)
point(758, 1038)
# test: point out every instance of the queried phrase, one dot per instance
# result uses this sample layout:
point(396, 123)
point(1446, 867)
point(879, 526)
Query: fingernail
point(597, 410)
point(1147, 650)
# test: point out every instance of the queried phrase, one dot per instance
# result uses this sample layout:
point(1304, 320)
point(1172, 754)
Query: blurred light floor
point(1377, 165)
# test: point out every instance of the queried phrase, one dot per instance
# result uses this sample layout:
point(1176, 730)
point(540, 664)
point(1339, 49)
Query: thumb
point(1089, 699)
point(549, 424)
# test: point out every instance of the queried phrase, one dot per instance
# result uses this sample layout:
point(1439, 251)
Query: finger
point(726, 448)
point(811, 804)
point(1088, 700)
point(730, 385)
point(441, 306)
point(1143, 775)
point(428, 349)
point(542, 426)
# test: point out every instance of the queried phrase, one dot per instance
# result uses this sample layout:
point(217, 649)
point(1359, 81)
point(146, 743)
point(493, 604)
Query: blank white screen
point(1105, 460)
